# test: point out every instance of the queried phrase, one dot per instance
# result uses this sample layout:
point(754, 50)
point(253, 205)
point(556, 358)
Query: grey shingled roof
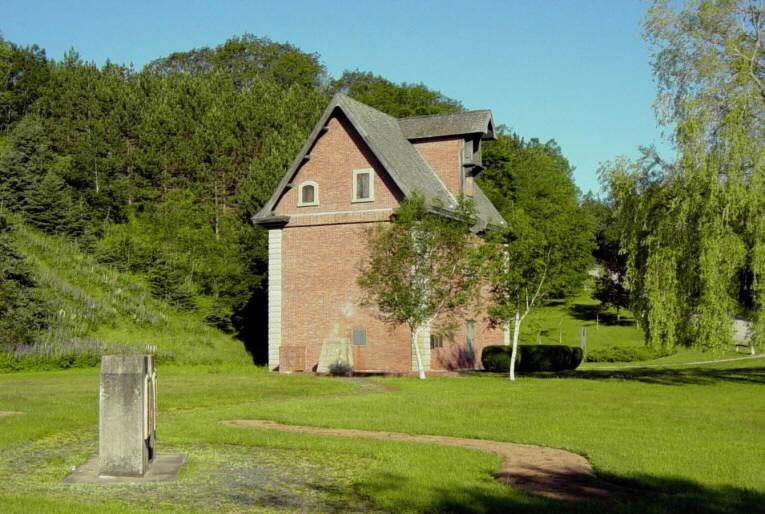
point(469, 122)
point(406, 167)
point(487, 213)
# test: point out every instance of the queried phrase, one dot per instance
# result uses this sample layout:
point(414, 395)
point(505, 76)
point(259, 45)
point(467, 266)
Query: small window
point(436, 341)
point(308, 194)
point(363, 186)
point(360, 336)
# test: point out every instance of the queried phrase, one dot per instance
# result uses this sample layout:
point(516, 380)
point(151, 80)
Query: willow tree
point(692, 228)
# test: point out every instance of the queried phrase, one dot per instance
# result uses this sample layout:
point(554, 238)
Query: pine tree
point(22, 311)
point(49, 205)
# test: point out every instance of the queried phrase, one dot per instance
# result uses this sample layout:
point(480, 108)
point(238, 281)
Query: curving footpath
point(548, 472)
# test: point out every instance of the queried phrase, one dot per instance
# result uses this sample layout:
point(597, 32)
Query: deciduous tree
point(418, 268)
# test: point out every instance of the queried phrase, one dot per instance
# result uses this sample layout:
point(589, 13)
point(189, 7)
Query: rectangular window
point(360, 336)
point(436, 341)
point(363, 186)
point(307, 194)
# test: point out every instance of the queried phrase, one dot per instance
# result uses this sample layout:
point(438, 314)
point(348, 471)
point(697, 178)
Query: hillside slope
point(94, 308)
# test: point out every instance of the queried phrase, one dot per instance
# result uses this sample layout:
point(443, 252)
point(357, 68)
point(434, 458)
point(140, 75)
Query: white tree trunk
point(415, 344)
point(514, 352)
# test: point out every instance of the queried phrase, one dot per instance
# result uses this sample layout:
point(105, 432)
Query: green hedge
point(532, 357)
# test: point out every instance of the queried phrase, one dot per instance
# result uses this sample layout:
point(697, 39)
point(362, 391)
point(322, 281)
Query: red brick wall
point(443, 155)
point(454, 353)
point(320, 297)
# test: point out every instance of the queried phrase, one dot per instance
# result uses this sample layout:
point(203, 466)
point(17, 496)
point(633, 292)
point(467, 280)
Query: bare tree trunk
point(421, 371)
point(217, 214)
point(516, 335)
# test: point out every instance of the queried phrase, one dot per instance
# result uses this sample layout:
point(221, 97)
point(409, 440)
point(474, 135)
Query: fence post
point(583, 341)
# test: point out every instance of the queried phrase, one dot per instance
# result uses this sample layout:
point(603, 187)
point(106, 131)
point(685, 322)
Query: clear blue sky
point(576, 71)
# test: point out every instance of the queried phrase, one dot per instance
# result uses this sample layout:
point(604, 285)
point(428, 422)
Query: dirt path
point(10, 413)
point(549, 472)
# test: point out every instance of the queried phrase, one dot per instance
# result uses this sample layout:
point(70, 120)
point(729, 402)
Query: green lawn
point(559, 322)
point(692, 437)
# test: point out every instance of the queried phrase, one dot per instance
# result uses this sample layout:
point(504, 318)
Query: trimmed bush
point(340, 369)
point(496, 358)
point(532, 357)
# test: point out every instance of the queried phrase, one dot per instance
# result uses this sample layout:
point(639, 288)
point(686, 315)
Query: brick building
point(354, 169)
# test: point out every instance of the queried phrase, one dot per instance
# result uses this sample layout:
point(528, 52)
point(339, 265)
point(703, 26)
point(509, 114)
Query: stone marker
point(127, 414)
point(335, 350)
point(127, 426)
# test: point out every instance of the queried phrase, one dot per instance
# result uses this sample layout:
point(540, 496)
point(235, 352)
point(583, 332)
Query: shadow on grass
point(591, 312)
point(649, 495)
point(668, 376)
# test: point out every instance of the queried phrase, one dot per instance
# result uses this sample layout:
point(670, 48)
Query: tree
point(418, 268)
point(24, 72)
point(692, 229)
point(545, 251)
point(610, 287)
point(26, 158)
point(523, 264)
point(51, 208)
point(245, 59)
point(398, 100)
point(532, 182)
point(23, 313)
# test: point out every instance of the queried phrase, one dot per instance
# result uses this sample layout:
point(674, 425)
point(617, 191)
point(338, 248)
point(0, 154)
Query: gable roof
point(400, 159)
point(458, 123)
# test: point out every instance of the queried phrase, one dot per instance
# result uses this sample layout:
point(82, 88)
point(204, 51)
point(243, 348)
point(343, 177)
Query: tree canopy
point(158, 171)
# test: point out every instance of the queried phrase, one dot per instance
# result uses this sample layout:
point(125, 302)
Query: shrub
point(625, 354)
point(532, 357)
point(496, 358)
point(549, 357)
point(341, 369)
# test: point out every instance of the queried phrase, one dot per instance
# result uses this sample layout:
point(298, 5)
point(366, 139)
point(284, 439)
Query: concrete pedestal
point(126, 415)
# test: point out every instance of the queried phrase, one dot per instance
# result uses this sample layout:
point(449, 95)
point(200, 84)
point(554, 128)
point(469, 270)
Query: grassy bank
point(95, 308)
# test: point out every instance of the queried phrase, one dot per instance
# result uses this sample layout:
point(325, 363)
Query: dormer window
point(363, 186)
point(308, 194)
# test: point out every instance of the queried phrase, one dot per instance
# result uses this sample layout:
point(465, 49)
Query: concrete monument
point(127, 426)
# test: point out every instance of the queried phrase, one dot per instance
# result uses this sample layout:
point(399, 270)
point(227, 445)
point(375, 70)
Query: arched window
point(308, 194)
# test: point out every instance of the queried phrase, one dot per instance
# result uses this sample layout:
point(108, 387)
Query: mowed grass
point(691, 438)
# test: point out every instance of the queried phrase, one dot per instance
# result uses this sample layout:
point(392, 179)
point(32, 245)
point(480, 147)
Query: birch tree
point(418, 268)
point(521, 265)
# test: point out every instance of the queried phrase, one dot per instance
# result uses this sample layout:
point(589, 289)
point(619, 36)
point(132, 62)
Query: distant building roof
point(386, 139)
point(458, 123)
